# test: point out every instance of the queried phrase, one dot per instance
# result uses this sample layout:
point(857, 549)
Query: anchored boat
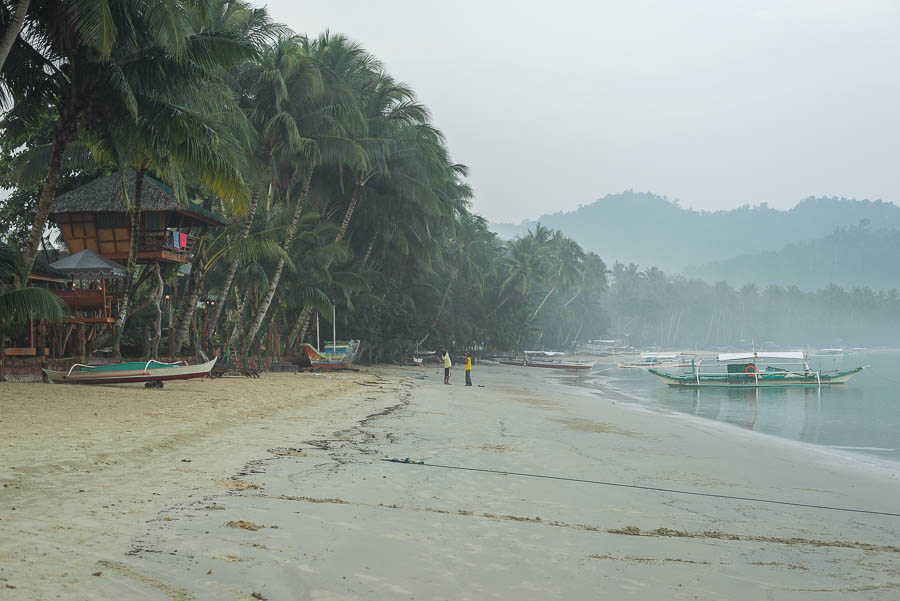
point(132, 371)
point(551, 359)
point(656, 360)
point(785, 368)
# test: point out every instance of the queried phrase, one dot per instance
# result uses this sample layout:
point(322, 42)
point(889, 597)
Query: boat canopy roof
point(660, 355)
point(753, 355)
point(546, 353)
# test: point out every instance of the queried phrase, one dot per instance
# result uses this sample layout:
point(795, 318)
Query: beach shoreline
point(846, 455)
point(307, 508)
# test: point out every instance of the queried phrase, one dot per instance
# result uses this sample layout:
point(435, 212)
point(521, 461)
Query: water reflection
point(864, 415)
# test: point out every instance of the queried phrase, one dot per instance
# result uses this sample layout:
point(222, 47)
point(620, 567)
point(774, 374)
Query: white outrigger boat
point(656, 360)
point(130, 372)
point(741, 371)
point(551, 359)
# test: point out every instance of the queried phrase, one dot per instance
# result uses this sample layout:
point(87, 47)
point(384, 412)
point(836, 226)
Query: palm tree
point(328, 122)
point(18, 305)
point(84, 83)
point(567, 257)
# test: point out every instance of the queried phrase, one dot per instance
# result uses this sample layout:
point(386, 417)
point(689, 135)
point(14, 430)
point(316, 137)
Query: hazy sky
point(553, 104)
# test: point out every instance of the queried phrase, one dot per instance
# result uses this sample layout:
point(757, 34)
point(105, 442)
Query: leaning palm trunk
point(440, 309)
point(158, 301)
point(239, 312)
point(232, 267)
point(365, 258)
point(541, 306)
point(577, 294)
point(65, 131)
point(350, 208)
point(300, 327)
point(190, 298)
point(303, 321)
point(132, 256)
point(13, 29)
point(276, 277)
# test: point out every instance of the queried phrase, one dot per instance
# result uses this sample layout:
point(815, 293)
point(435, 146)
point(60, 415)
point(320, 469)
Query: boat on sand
point(338, 355)
point(745, 370)
point(130, 372)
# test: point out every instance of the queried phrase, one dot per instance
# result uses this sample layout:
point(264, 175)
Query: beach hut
point(95, 217)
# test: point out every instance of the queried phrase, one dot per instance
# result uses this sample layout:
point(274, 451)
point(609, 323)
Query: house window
point(110, 220)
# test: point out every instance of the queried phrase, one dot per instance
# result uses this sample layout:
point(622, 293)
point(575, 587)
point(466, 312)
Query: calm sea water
point(861, 416)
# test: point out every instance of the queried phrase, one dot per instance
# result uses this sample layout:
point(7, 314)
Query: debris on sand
point(245, 525)
point(236, 485)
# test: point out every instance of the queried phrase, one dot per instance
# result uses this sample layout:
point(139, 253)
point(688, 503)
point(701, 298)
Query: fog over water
point(861, 417)
point(554, 104)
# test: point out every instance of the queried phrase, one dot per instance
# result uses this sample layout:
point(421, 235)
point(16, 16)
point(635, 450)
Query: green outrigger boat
point(789, 368)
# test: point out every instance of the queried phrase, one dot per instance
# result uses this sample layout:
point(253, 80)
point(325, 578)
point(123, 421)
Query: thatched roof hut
point(96, 217)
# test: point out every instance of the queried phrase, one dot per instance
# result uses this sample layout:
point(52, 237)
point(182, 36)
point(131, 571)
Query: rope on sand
point(638, 486)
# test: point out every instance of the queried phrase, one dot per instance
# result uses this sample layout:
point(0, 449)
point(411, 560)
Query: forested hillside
point(654, 231)
point(856, 256)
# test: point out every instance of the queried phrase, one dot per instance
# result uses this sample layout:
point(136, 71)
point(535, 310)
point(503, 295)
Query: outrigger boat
point(741, 372)
point(130, 372)
point(656, 360)
point(334, 355)
point(338, 355)
point(551, 359)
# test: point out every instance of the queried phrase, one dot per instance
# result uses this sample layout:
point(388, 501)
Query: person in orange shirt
point(468, 370)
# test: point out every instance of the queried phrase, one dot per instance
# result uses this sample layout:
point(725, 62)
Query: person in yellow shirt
point(447, 365)
point(468, 370)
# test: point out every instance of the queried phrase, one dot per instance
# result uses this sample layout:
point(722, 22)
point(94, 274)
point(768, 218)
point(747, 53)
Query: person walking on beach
point(468, 370)
point(447, 365)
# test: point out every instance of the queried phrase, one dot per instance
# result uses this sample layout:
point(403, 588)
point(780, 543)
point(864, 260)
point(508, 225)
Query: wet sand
point(306, 508)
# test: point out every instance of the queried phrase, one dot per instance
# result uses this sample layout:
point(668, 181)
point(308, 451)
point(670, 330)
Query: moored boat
point(549, 359)
point(338, 355)
point(130, 372)
point(785, 368)
point(656, 360)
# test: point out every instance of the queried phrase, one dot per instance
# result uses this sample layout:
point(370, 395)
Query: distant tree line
point(652, 309)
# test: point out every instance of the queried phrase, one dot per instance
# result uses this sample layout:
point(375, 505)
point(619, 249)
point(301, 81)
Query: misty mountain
point(652, 230)
point(850, 257)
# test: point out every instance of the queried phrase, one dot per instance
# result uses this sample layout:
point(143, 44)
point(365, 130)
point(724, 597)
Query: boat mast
point(334, 327)
point(318, 342)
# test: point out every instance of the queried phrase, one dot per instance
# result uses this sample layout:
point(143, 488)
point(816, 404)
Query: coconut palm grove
point(193, 176)
point(214, 181)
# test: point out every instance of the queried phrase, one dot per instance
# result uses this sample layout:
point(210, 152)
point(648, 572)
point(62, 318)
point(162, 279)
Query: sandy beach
point(277, 489)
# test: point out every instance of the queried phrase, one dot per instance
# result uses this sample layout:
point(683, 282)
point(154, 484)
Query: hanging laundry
point(183, 240)
point(176, 239)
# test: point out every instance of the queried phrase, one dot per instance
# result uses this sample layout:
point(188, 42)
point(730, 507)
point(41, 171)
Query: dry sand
point(84, 469)
point(286, 496)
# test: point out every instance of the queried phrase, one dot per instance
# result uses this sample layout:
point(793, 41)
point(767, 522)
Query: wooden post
point(82, 342)
point(204, 341)
point(171, 304)
point(276, 345)
point(2, 357)
point(42, 351)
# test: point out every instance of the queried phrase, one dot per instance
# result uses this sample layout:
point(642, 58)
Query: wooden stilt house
point(95, 224)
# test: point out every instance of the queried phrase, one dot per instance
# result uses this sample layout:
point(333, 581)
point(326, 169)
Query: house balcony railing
point(161, 245)
point(88, 306)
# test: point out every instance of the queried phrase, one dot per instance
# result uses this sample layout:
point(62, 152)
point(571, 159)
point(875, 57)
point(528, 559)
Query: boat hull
point(157, 374)
point(340, 360)
point(561, 365)
point(765, 380)
point(635, 365)
point(548, 364)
